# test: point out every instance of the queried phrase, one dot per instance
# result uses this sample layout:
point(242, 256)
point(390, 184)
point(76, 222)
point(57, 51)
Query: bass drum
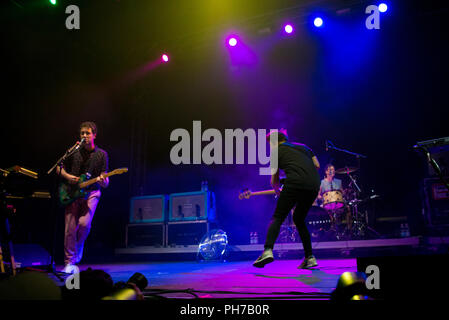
point(319, 223)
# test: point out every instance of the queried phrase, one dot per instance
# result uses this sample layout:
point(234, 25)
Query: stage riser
point(385, 244)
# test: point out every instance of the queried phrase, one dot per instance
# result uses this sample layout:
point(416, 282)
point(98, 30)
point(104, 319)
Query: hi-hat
point(346, 170)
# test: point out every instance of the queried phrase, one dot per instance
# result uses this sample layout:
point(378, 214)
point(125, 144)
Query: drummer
point(329, 183)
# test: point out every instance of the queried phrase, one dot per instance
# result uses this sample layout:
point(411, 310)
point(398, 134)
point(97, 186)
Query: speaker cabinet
point(145, 234)
point(186, 232)
point(191, 206)
point(147, 209)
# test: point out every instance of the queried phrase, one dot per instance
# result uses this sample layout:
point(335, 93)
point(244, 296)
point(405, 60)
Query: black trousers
point(290, 197)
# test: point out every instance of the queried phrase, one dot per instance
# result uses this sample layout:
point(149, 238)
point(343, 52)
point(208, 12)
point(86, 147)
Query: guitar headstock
point(119, 170)
point(245, 194)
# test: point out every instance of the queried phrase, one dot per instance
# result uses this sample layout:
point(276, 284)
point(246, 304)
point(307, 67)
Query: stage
point(238, 279)
point(178, 272)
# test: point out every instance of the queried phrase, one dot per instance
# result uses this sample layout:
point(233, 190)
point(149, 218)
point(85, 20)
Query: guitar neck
point(94, 180)
point(264, 192)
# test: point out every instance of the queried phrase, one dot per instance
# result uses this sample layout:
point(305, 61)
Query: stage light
point(318, 22)
point(351, 286)
point(383, 7)
point(53, 2)
point(125, 291)
point(165, 58)
point(232, 42)
point(288, 28)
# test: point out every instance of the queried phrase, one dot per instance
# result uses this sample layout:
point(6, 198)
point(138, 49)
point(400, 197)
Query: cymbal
point(346, 170)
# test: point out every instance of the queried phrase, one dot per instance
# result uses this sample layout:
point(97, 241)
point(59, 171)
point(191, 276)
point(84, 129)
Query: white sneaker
point(307, 263)
point(69, 268)
point(265, 258)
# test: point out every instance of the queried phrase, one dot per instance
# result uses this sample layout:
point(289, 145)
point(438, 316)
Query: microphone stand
point(67, 154)
point(353, 181)
point(54, 206)
point(330, 145)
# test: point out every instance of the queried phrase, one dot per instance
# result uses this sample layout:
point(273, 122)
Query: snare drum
point(333, 200)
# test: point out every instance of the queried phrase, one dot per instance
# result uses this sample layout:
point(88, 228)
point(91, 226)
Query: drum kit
point(336, 216)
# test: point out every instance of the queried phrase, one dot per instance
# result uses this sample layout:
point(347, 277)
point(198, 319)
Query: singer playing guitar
point(93, 162)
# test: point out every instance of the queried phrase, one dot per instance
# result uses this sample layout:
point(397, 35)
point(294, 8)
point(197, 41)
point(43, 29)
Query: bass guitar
point(246, 193)
point(70, 192)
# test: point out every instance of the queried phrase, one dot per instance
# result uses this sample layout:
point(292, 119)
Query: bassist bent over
point(300, 190)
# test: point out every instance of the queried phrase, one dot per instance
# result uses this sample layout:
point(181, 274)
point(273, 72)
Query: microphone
point(83, 140)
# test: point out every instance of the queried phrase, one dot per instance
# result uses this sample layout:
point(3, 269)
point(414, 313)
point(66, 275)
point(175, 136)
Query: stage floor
point(280, 279)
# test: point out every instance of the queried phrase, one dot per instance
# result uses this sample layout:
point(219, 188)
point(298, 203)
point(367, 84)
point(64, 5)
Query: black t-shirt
point(92, 163)
point(296, 161)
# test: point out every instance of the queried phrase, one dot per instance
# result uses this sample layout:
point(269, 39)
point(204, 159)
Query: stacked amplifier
point(176, 219)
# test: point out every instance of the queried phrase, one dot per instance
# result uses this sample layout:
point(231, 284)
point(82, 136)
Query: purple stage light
point(164, 58)
point(232, 42)
point(288, 28)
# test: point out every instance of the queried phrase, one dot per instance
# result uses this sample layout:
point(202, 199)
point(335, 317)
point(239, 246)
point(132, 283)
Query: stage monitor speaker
point(148, 209)
point(147, 234)
point(192, 206)
point(417, 277)
point(30, 255)
point(436, 202)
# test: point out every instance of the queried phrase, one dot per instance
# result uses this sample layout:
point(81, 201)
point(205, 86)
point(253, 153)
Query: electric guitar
point(246, 193)
point(70, 192)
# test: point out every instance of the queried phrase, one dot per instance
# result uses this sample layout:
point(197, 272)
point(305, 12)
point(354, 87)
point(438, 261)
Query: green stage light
point(53, 2)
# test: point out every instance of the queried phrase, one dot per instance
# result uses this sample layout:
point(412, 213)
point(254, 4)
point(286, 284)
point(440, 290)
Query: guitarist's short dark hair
point(282, 135)
point(89, 124)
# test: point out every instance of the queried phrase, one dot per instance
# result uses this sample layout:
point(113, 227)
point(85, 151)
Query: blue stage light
point(318, 22)
point(383, 7)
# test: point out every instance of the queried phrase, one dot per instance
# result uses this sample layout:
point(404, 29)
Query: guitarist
point(93, 162)
point(300, 189)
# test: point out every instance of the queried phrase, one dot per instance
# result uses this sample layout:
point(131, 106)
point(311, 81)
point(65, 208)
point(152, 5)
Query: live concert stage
point(202, 150)
point(169, 276)
point(235, 279)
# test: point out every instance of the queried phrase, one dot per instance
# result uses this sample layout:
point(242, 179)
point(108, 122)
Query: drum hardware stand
point(361, 220)
point(288, 233)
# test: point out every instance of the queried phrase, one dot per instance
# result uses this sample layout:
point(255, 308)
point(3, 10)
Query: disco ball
point(213, 245)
